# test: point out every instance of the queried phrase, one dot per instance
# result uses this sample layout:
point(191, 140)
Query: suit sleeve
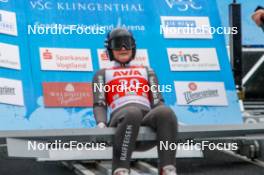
point(99, 100)
point(156, 97)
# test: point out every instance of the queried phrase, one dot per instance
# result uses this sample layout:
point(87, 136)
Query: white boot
point(121, 171)
point(169, 170)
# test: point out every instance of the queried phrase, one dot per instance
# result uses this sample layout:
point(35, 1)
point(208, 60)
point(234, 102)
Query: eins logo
point(184, 5)
point(184, 58)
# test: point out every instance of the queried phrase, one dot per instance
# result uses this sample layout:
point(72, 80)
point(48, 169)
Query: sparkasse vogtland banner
point(46, 74)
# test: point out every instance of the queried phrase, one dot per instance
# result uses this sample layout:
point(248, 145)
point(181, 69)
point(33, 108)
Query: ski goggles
point(124, 41)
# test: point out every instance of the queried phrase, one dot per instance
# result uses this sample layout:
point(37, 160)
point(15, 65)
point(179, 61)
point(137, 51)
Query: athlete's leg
point(163, 120)
point(127, 121)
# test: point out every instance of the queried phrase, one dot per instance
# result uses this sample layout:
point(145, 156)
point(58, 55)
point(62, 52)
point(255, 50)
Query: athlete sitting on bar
point(131, 106)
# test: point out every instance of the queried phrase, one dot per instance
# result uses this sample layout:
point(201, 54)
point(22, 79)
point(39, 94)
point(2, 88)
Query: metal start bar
point(145, 133)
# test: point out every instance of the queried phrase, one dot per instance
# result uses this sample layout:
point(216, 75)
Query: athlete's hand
point(258, 17)
point(101, 125)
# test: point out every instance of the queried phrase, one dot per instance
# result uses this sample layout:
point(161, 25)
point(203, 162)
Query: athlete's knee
point(166, 115)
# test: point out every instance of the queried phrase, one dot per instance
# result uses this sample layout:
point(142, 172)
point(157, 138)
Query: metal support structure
point(235, 43)
point(18, 144)
point(145, 133)
point(81, 170)
point(19, 148)
point(143, 166)
point(253, 70)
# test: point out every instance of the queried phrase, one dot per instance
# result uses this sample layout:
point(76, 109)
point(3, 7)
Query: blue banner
point(54, 48)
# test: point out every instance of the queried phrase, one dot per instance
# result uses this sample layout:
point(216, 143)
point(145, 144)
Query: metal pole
point(235, 43)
